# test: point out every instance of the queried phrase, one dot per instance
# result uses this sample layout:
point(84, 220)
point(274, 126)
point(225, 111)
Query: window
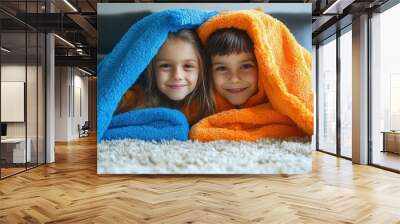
point(346, 93)
point(385, 89)
point(327, 95)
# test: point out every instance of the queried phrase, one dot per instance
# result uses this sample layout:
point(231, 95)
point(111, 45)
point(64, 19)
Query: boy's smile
point(235, 76)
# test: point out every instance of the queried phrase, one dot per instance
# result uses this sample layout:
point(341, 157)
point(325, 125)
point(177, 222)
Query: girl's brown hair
point(201, 94)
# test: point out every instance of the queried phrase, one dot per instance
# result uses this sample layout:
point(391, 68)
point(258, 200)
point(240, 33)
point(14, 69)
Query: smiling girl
point(175, 79)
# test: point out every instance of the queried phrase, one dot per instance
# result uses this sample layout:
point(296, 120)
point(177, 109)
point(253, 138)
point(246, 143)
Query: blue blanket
point(148, 124)
point(121, 68)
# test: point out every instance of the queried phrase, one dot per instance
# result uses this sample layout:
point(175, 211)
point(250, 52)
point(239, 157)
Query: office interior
point(48, 87)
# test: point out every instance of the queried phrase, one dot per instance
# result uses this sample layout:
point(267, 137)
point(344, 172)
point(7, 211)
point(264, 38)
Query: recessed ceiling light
point(84, 71)
point(70, 5)
point(337, 7)
point(5, 49)
point(64, 40)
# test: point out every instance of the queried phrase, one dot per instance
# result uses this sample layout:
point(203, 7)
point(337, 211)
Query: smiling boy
point(233, 65)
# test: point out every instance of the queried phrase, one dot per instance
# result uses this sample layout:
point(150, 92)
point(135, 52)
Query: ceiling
point(77, 24)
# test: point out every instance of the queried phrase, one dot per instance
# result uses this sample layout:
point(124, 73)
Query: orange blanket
point(247, 124)
point(284, 76)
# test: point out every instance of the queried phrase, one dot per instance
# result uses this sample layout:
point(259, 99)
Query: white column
point(50, 93)
point(360, 90)
point(50, 110)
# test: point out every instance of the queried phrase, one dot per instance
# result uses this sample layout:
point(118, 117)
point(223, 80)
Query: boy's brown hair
point(228, 41)
point(224, 42)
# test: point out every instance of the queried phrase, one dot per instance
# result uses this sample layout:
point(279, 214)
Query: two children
point(181, 76)
point(270, 97)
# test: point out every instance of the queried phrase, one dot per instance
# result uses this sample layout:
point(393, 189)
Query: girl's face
point(235, 76)
point(177, 69)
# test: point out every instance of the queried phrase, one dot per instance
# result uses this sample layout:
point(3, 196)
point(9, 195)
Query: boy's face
point(235, 76)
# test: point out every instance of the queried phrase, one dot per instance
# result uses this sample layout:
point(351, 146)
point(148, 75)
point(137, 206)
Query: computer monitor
point(3, 129)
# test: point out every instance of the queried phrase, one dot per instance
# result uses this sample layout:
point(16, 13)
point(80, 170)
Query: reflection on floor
point(386, 159)
point(10, 169)
point(346, 151)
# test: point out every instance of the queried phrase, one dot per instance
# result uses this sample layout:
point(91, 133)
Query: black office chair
point(84, 130)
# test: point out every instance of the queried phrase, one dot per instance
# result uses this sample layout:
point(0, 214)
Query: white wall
point(80, 93)
point(12, 73)
point(61, 103)
point(33, 127)
point(70, 83)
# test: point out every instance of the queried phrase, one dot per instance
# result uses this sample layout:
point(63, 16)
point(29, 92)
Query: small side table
point(391, 141)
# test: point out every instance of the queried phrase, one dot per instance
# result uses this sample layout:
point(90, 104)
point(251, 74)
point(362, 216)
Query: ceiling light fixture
point(326, 11)
point(84, 71)
point(70, 5)
point(65, 41)
point(5, 49)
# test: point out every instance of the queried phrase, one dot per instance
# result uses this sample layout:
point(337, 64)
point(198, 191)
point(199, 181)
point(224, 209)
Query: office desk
point(13, 150)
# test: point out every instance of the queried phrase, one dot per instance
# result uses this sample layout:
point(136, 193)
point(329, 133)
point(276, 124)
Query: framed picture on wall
point(204, 88)
point(12, 101)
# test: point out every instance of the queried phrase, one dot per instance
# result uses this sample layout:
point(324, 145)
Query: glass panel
point(23, 82)
point(327, 96)
point(314, 73)
point(386, 89)
point(13, 86)
point(346, 94)
point(31, 100)
point(41, 98)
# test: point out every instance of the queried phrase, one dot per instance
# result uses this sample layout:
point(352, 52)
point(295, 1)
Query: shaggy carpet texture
point(289, 156)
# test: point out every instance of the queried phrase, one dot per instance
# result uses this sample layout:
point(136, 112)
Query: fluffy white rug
point(289, 156)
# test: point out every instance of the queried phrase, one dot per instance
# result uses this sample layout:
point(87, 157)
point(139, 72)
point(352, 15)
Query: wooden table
point(391, 141)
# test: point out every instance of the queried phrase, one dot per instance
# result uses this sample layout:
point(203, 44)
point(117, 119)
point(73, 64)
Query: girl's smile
point(177, 74)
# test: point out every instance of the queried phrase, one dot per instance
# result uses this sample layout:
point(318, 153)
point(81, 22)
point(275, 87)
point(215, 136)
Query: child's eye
point(220, 68)
point(247, 66)
point(164, 66)
point(189, 66)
